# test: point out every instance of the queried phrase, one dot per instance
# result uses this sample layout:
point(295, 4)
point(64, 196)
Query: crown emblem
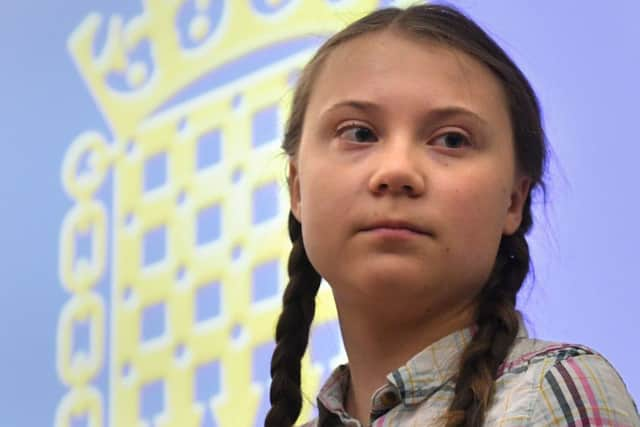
point(150, 59)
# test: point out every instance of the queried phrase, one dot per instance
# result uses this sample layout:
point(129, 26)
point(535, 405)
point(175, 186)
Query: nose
point(397, 172)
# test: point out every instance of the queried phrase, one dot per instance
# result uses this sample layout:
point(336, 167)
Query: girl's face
point(405, 177)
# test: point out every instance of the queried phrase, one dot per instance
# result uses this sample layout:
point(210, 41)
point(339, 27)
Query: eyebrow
point(439, 113)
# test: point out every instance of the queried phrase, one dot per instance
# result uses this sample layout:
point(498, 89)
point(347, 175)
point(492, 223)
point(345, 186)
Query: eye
point(357, 133)
point(453, 139)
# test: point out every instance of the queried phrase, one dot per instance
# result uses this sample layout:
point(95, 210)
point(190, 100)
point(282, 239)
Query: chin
point(392, 282)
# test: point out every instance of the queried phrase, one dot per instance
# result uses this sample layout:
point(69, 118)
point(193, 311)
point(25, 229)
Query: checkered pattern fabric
point(539, 384)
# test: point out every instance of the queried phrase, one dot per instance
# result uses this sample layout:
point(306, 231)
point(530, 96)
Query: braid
point(292, 333)
point(497, 321)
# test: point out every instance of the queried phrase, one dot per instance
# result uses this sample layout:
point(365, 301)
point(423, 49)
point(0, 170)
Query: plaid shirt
point(539, 384)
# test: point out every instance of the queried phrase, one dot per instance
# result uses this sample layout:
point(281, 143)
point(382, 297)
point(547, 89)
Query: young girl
point(414, 146)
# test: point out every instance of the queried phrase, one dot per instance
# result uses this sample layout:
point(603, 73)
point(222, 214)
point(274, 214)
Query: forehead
point(408, 74)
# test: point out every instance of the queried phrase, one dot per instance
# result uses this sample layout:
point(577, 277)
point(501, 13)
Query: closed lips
point(402, 225)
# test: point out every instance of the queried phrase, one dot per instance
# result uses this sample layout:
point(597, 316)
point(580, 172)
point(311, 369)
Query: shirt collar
point(412, 383)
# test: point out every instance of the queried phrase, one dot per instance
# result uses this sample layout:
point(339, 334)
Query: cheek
point(324, 209)
point(328, 191)
point(476, 210)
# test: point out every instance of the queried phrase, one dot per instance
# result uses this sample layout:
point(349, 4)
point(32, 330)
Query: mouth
point(388, 226)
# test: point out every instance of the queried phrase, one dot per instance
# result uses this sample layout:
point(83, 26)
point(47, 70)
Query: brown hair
point(496, 316)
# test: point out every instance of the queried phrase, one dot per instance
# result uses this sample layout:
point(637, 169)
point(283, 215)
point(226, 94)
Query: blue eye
point(357, 133)
point(454, 139)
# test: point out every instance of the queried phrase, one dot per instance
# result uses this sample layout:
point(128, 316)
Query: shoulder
point(570, 384)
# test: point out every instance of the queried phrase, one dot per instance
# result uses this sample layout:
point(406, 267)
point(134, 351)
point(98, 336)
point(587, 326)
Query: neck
point(377, 345)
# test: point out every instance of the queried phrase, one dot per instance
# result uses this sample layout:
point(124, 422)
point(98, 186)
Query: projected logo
point(194, 94)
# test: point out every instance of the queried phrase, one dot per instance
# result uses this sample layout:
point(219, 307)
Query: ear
point(294, 189)
point(518, 196)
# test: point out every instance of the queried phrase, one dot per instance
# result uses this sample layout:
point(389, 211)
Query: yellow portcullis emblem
point(193, 238)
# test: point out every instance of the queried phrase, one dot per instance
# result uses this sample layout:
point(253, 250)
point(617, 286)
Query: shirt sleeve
point(583, 390)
